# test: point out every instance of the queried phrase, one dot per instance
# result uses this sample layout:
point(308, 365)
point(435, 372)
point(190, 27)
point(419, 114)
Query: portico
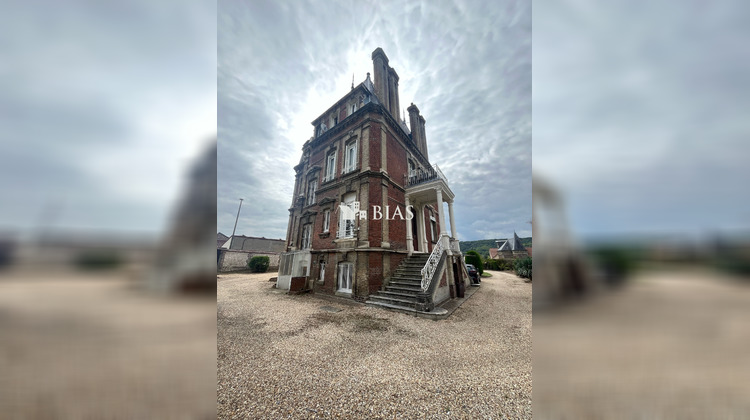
point(425, 188)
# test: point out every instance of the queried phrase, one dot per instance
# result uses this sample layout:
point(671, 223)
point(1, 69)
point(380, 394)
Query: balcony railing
point(420, 176)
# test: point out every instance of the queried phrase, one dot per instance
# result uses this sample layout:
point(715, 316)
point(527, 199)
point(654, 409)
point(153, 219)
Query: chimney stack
point(386, 82)
point(416, 123)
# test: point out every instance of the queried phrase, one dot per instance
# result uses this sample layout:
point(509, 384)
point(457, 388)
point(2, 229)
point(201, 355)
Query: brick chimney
point(416, 123)
point(380, 76)
point(386, 82)
point(393, 104)
point(424, 137)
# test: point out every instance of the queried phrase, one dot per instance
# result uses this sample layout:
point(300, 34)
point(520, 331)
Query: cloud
point(466, 66)
point(103, 107)
point(639, 114)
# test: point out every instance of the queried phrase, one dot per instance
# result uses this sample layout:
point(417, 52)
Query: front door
point(345, 277)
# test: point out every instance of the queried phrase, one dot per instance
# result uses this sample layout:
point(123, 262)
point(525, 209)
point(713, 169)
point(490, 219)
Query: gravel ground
point(282, 356)
point(93, 346)
point(670, 345)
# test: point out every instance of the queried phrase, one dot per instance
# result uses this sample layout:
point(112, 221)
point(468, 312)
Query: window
point(433, 229)
point(334, 120)
point(306, 236)
point(347, 214)
point(330, 167)
point(311, 188)
point(350, 157)
point(326, 221)
point(322, 277)
point(353, 108)
point(345, 277)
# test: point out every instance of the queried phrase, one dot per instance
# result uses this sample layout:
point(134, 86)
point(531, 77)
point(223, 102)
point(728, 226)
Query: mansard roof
point(366, 87)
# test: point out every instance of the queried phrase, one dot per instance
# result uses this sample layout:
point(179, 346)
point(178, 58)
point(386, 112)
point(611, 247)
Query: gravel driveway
point(283, 356)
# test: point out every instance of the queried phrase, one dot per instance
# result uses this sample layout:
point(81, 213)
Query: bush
point(523, 267)
point(473, 258)
point(98, 260)
point(499, 265)
point(259, 264)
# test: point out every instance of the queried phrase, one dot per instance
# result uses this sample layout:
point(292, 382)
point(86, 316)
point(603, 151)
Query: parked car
point(473, 273)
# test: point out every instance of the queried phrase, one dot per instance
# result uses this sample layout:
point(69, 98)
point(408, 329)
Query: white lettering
point(397, 212)
point(377, 214)
point(409, 213)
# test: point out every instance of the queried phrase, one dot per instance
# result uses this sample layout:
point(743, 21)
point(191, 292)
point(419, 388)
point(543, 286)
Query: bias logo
point(352, 211)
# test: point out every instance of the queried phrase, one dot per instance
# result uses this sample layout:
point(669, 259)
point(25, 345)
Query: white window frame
point(347, 228)
point(326, 221)
point(330, 167)
point(345, 277)
point(312, 188)
point(307, 236)
point(350, 162)
point(433, 227)
point(322, 275)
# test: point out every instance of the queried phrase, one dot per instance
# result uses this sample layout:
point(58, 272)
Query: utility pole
point(235, 224)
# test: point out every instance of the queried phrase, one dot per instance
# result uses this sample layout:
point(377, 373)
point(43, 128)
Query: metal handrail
point(419, 176)
point(432, 262)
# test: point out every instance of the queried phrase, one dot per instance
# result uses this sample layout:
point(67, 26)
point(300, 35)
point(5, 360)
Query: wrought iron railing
point(419, 176)
point(431, 265)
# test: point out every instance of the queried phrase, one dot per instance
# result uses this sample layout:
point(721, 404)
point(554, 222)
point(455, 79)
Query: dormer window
point(353, 108)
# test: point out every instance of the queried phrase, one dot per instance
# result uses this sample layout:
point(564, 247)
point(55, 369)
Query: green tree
point(473, 258)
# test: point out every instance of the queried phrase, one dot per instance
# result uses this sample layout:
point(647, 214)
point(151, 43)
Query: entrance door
point(345, 277)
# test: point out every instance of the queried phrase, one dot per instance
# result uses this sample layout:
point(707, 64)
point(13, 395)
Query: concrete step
point(396, 294)
point(405, 277)
point(392, 306)
point(407, 302)
point(406, 283)
point(403, 289)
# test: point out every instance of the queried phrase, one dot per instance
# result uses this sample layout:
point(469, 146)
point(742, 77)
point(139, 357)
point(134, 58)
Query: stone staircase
point(406, 282)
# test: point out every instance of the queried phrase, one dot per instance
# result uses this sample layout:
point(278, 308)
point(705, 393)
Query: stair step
point(413, 283)
point(391, 306)
point(395, 301)
point(395, 294)
point(403, 289)
point(405, 278)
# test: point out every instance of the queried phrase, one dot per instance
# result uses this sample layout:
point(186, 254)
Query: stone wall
point(237, 260)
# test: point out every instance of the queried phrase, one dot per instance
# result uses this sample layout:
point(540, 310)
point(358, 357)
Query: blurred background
point(641, 212)
point(107, 209)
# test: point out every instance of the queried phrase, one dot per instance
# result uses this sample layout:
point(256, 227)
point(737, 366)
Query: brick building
point(365, 220)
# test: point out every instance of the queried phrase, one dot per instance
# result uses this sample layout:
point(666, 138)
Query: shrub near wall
point(473, 258)
point(523, 268)
point(259, 264)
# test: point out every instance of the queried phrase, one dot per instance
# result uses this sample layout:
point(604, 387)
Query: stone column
point(422, 235)
point(409, 238)
point(441, 212)
point(453, 221)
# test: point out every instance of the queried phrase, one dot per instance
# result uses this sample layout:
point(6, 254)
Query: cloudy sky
point(102, 109)
point(466, 65)
point(640, 114)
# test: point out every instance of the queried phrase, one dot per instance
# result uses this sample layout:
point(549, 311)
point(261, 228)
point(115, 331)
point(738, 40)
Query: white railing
point(439, 172)
point(418, 176)
point(431, 265)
